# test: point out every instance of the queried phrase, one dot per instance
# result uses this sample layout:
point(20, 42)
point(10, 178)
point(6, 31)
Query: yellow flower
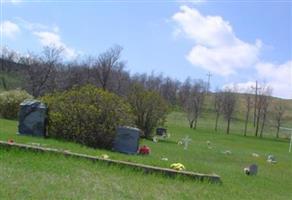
point(104, 156)
point(177, 166)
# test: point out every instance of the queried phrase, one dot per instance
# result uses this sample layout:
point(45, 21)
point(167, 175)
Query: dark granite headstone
point(251, 170)
point(127, 140)
point(161, 131)
point(32, 118)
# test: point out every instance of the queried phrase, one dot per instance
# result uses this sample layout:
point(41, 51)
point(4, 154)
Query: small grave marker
point(271, 159)
point(251, 170)
point(186, 140)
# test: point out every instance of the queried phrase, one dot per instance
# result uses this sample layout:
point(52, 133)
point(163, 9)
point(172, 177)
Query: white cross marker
point(186, 141)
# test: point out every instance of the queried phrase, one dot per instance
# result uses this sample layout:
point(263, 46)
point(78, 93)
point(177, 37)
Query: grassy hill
point(207, 119)
point(38, 176)
point(13, 80)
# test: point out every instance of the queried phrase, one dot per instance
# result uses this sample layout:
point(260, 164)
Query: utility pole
point(208, 84)
point(256, 88)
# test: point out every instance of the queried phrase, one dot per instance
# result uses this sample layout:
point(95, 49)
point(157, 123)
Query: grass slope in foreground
point(35, 176)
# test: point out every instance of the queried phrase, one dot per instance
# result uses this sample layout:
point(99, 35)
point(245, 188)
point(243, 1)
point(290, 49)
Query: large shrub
point(87, 115)
point(149, 108)
point(9, 102)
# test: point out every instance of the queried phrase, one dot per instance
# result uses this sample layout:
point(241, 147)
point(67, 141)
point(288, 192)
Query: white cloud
point(16, 1)
point(32, 26)
point(53, 39)
point(217, 49)
point(277, 76)
point(195, 2)
point(9, 29)
point(47, 36)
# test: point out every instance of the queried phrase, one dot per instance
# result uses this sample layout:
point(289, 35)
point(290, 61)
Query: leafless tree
point(279, 113)
point(262, 105)
point(218, 106)
point(105, 64)
point(248, 105)
point(169, 89)
point(120, 81)
point(194, 103)
point(229, 101)
point(154, 82)
point(256, 89)
point(184, 92)
point(40, 71)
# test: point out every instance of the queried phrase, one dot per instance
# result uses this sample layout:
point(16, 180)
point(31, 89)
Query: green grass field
point(27, 175)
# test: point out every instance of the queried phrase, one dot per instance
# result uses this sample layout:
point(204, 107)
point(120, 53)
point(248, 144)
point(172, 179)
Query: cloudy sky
point(238, 42)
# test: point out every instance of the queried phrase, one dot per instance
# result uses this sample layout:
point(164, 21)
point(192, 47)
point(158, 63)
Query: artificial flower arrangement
point(144, 150)
point(177, 166)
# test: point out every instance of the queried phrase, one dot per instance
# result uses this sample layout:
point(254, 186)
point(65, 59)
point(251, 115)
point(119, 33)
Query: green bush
point(87, 115)
point(9, 102)
point(149, 108)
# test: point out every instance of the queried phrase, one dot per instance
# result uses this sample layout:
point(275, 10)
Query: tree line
point(47, 73)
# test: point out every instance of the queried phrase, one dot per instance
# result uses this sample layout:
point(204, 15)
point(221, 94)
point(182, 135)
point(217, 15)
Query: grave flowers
point(177, 166)
point(144, 150)
point(10, 141)
point(104, 156)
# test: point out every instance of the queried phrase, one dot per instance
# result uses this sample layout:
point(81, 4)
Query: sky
point(238, 42)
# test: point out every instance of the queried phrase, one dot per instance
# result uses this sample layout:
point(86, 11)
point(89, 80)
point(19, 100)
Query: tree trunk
point(216, 123)
point(191, 123)
point(228, 126)
point(257, 123)
point(3, 82)
point(246, 122)
point(263, 124)
point(278, 130)
point(195, 125)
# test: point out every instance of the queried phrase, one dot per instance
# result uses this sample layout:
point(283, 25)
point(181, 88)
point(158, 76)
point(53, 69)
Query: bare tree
point(194, 102)
point(279, 113)
point(262, 105)
point(218, 106)
point(40, 71)
point(229, 101)
point(256, 88)
point(120, 81)
point(266, 102)
point(248, 104)
point(105, 64)
point(169, 89)
point(154, 82)
point(184, 92)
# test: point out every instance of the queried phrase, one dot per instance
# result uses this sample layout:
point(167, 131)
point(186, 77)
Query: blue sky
point(237, 41)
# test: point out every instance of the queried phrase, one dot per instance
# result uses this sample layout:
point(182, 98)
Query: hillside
point(58, 177)
point(14, 79)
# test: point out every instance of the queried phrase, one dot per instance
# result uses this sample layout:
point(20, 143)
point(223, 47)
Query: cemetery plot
point(213, 178)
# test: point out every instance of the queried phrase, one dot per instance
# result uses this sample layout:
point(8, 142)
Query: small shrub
point(87, 115)
point(9, 102)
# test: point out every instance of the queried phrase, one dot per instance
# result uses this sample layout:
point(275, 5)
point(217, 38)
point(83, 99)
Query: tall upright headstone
point(32, 118)
point(127, 140)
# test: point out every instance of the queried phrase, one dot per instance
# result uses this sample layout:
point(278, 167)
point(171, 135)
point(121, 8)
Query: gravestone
point(271, 159)
point(186, 140)
point(32, 118)
point(126, 140)
point(161, 131)
point(251, 170)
